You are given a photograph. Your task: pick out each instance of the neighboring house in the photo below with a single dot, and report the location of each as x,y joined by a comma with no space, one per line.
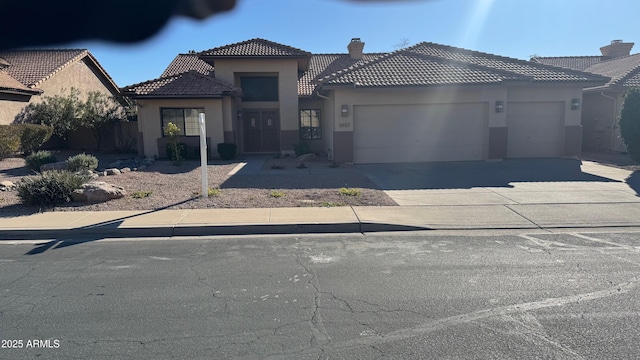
602,104
26,76
428,102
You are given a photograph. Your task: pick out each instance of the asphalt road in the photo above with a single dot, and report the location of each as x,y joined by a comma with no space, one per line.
395,296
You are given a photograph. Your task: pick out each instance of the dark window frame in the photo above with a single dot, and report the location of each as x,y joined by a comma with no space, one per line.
183,124
310,132
260,88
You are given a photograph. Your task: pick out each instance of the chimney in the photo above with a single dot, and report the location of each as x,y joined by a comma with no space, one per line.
617,48
355,48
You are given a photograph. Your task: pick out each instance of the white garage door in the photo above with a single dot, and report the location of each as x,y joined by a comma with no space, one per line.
417,133
535,129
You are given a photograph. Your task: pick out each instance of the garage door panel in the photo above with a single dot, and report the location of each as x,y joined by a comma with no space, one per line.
535,129
415,133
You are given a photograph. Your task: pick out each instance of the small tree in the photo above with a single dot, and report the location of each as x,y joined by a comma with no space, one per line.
630,123
61,112
172,132
99,112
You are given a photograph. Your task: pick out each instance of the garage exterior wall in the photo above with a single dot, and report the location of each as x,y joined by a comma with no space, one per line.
150,122
343,141
497,134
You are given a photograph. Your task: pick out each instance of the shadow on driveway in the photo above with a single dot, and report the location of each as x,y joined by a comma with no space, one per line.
466,175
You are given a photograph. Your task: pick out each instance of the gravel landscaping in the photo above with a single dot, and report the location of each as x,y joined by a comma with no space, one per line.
162,185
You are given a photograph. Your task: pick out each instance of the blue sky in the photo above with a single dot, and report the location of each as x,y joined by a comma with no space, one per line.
514,28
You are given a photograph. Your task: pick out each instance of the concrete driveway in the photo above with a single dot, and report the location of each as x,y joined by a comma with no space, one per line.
527,181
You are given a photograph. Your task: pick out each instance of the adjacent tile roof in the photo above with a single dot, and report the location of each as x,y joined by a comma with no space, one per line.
323,65
187,62
32,67
255,48
570,62
623,71
189,84
434,64
405,68
10,85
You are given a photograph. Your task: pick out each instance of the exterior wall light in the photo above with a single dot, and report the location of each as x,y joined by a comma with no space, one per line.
345,110
239,114
499,106
575,104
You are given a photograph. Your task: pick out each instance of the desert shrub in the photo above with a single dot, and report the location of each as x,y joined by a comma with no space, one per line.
50,188
9,140
350,192
213,192
39,158
82,162
302,148
141,194
227,151
630,123
182,151
276,194
32,136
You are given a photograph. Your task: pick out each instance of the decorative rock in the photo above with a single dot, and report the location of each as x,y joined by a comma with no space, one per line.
113,171
125,170
60,165
98,191
6,185
307,157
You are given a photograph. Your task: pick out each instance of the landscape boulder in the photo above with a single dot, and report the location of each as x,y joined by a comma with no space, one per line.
7,185
98,191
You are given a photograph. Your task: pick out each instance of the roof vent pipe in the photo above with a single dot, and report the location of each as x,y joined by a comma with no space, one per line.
355,48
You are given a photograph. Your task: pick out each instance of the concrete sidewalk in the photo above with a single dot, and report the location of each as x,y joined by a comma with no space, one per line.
203,222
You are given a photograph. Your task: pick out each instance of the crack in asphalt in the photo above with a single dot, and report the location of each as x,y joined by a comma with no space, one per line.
475,316
320,335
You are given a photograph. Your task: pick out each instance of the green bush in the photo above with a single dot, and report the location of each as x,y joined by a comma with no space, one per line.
630,123
82,162
50,188
227,151
9,140
171,153
350,192
302,148
32,136
39,158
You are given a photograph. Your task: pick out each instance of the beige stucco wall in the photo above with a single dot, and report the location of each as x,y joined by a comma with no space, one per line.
150,124
80,75
230,70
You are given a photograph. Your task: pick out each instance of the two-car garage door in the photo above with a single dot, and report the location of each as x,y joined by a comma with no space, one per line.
417,133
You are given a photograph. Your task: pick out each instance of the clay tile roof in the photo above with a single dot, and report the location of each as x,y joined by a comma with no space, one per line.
405,68
187,62
255,48
10,85
570,62
538,72
622,71
323,65
31,67
189,84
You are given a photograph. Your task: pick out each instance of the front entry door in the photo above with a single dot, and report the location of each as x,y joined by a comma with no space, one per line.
261,128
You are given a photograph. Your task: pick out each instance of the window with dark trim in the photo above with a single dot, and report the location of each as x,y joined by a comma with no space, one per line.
186,119
310,124
259,88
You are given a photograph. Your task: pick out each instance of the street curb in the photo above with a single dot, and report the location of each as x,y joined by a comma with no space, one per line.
103,232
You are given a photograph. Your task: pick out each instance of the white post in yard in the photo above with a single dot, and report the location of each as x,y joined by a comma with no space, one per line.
203,156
